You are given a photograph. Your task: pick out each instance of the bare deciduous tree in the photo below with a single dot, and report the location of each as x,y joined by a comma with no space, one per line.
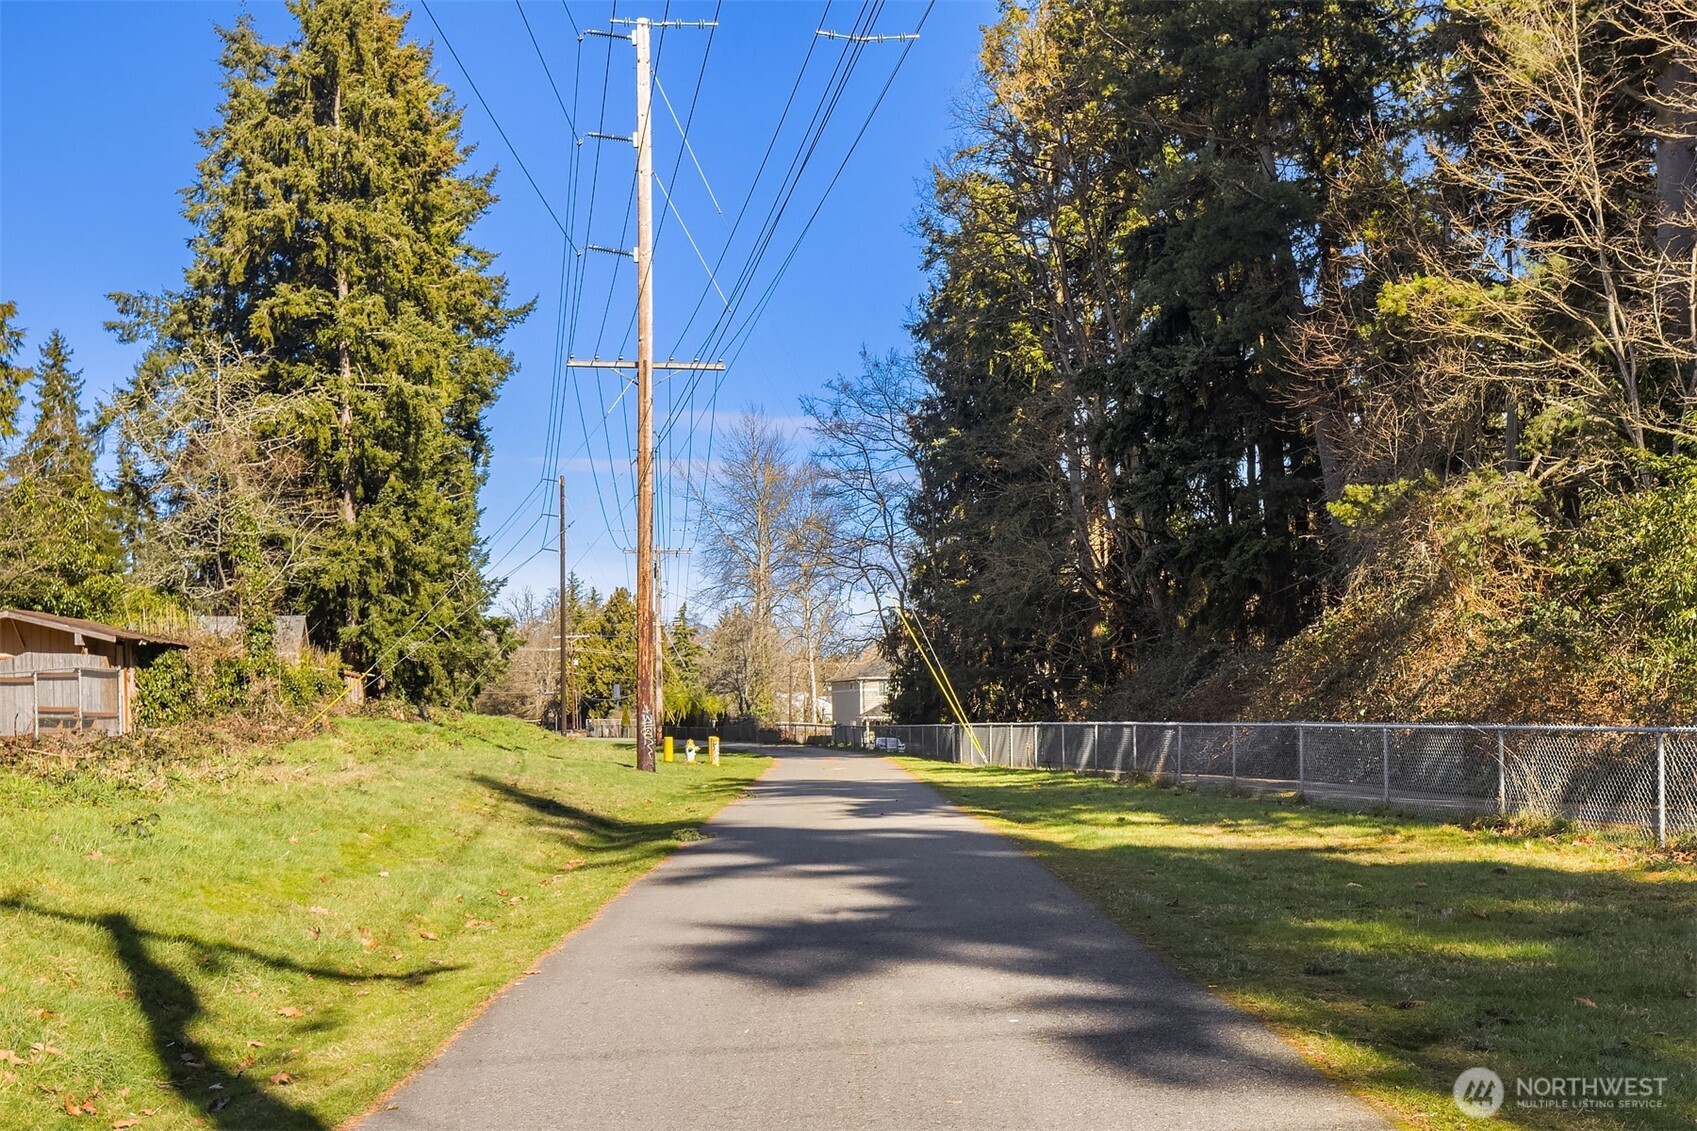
233,517
864,454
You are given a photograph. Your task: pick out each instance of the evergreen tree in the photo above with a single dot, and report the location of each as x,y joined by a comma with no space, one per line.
609,656
687,699
1112,466
11,376
331,240
59,552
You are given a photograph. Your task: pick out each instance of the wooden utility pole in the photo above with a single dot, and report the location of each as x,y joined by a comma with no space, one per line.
647,577
647,593
560,612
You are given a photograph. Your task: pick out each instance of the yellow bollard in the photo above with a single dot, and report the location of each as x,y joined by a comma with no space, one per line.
713,749
669,756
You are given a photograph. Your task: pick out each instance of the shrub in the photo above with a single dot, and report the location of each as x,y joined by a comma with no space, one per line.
165,691
214,678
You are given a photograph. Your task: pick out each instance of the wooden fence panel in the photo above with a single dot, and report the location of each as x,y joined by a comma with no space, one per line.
17,704
97,699
56,706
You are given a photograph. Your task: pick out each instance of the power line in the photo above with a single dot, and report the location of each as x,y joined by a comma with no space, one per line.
544,61
765,299
724,330
540,195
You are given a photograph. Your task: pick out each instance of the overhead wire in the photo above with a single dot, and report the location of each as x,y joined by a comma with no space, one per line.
813,134
511,148
742,211
543,59
762,303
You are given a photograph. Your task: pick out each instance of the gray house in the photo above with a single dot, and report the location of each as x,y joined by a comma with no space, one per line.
65,675
858,697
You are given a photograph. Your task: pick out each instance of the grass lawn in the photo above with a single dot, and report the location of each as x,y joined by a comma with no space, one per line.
1393,952
272,939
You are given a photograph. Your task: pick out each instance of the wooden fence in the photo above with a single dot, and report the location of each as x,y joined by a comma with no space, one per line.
60,702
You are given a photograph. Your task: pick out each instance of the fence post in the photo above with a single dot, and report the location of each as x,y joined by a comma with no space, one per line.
1502,775
1385,742
1301,757
1133,747
1178,763
1063,729
1662,789
1234,753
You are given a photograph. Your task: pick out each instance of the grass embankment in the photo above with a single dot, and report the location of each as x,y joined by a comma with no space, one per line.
271,940
1393,952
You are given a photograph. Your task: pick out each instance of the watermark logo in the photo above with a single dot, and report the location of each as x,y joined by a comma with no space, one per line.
1479,1093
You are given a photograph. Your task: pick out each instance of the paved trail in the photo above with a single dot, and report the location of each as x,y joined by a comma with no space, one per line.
851,951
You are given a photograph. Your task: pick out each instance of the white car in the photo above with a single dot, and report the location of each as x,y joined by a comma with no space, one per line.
890,746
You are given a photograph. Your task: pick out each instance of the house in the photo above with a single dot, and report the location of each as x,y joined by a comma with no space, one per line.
858,697
62,674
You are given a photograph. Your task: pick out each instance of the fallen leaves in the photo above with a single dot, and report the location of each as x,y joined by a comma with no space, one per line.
10,1056
288,1011
74,1106
319,910
431,935
1586,1002
282,1078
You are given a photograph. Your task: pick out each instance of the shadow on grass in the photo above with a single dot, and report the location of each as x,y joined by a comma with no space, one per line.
597,830
1437,948
170,1005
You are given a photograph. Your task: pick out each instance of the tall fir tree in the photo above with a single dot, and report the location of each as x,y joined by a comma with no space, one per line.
11,376
1113,475
331,221
59,551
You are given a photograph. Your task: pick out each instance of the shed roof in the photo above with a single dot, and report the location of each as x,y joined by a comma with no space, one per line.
90,628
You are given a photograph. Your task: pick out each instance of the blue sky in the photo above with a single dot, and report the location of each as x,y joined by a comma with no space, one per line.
99,104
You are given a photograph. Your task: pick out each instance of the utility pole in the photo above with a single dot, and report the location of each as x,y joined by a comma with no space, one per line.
648,716
561,608
647,590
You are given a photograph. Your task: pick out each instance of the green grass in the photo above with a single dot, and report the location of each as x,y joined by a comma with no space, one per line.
1393,952
176,935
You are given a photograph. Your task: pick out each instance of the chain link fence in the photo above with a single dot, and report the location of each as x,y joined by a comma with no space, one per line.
1643,778
758,731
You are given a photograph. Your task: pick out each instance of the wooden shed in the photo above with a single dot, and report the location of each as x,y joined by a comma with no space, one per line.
65,675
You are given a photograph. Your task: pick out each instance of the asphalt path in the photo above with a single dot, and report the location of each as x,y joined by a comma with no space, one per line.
849,950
